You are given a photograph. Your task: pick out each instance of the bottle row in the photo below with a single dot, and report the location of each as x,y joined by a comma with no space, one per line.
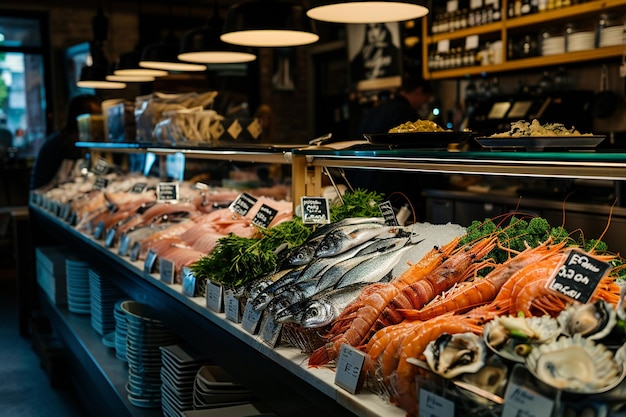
461,14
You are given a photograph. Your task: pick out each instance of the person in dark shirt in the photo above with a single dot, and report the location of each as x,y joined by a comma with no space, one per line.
404,107
59,146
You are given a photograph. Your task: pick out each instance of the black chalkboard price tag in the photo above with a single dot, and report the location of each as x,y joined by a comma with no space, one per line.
138,188
315,210
101,167
579,275
100,184
388,214
264,216
243,204
167,192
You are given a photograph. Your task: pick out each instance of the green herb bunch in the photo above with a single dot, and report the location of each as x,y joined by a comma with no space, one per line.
357,203
236,260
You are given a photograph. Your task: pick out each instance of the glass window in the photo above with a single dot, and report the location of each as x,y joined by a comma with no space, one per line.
23,120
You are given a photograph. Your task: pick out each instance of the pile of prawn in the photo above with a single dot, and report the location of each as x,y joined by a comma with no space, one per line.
443,294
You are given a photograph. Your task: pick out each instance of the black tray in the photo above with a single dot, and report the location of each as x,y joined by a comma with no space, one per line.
419,140
539,143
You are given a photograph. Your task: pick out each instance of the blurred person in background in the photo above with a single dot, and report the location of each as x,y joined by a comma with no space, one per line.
6,138
408,105
59,146
405,106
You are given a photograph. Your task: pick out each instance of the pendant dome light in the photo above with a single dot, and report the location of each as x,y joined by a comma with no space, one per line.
203,45
268,23
130,78
163,55
93,75
128,65
366,11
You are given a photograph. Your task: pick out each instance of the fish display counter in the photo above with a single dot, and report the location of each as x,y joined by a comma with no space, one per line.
441,316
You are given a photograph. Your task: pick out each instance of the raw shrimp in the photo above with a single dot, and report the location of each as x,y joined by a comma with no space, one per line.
413,347
355,323
380,310
483,290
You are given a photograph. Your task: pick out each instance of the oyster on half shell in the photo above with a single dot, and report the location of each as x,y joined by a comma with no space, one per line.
575,364
453,354
508,335
593,320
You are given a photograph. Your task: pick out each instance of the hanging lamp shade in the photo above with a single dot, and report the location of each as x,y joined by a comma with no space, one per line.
130,78
92,76
268,23
163,55
203,45
364,11
128,65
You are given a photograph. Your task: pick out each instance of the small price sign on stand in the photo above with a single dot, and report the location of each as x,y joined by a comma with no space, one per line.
167,192
434,405
388,214
231,306
315,210
521,401
349,369
578,276
214,297
243,204
251,318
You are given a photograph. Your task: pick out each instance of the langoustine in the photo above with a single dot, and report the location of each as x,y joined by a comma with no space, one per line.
419,284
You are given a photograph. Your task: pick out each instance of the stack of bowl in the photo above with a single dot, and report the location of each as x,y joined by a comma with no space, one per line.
121,329
145,335
104,294
77,282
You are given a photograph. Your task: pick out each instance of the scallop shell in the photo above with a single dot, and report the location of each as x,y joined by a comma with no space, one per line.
575,364
593,320
452,355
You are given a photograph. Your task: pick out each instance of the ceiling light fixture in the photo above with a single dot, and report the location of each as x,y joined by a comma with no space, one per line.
93,75
268,23
364,11
130,78
163,55
128,65
203,45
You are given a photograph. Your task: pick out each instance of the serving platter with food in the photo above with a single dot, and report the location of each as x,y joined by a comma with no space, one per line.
421,134
534,136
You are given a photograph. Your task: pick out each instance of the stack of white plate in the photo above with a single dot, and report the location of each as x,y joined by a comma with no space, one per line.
145,335
214,388
180,364
613,35
581,41
104,294
553,45
121,329
77,282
